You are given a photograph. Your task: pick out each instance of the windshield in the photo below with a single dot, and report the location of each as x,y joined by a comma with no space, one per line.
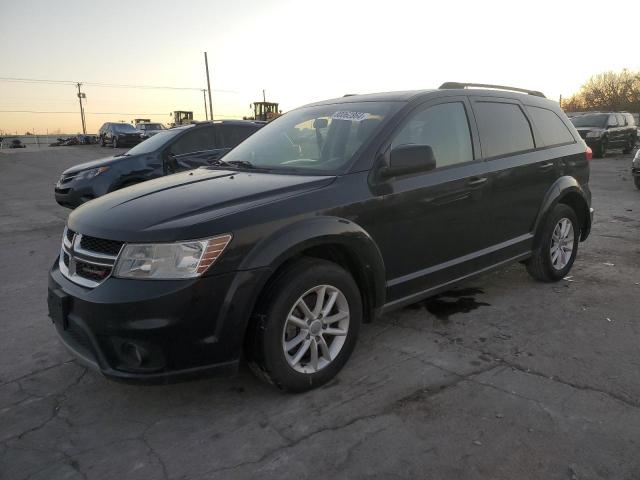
321,139
151,126
155,142
124,128
594,120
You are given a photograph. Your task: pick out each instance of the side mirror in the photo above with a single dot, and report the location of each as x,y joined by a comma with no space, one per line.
407,159
320,123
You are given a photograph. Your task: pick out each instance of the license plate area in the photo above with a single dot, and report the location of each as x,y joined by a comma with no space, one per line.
59,304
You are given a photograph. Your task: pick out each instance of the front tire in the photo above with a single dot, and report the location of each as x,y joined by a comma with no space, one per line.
557,247
306,326
115,142
630,143
636,180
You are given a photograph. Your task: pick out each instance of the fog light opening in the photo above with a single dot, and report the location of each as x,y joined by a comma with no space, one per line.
133,354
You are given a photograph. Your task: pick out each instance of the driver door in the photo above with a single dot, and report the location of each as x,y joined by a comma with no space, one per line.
430,225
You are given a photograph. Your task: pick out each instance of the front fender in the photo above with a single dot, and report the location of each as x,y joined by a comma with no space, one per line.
566,190
292,239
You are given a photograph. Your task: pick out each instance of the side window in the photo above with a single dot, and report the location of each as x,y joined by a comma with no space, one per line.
232,135
620,118
613,121
630,120
503,128
444,128
194,140
550,126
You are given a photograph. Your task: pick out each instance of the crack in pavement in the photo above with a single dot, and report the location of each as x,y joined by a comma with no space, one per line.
555,378
386,410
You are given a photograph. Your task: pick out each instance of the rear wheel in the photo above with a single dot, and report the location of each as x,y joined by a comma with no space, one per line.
636,180
601,150
629,146
306,327
557,246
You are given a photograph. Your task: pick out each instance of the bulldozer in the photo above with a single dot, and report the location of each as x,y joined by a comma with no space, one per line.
182,117
265,111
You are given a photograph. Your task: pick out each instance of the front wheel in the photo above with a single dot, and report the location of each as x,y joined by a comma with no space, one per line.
636,180
115,142
557,246
629,147
306,327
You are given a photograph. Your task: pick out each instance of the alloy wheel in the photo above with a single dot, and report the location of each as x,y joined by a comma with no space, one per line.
316,329
562,244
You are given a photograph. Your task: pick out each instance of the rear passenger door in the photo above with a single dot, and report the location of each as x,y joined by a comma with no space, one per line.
520,175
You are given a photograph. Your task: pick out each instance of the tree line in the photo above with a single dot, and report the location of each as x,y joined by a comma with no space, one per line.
607,91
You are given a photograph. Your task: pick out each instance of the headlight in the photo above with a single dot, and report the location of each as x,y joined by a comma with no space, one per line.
594,134
170,260
94,172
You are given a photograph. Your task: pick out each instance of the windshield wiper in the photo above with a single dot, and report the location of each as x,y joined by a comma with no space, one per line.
241,163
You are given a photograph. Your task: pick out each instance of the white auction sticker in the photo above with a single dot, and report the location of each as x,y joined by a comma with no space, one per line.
352,116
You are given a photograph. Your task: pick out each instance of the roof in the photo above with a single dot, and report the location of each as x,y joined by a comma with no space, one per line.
448,89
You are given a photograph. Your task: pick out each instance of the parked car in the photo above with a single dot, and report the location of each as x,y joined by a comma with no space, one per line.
170,151
149,129
602,131
119,135
635,169
16,143
330,215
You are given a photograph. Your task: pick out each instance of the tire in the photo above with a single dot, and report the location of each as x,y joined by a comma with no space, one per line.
545,265
601,150
636,180
271,328
115,142
102,144
630,143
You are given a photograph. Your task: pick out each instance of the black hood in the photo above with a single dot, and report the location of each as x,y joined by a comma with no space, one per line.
101,162
183,206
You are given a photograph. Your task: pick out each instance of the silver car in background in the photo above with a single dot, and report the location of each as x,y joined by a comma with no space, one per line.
149,129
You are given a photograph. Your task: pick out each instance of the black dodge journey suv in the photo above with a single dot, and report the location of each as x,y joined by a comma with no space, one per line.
329,216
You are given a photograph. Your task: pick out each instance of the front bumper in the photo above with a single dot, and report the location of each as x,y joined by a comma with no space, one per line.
154,331
72,198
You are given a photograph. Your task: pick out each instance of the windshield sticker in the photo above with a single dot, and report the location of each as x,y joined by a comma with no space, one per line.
351,116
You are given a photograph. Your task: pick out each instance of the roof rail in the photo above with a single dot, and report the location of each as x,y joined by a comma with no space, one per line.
451,85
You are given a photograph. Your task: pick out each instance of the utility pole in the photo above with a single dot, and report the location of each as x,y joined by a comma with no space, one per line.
204,96
264,97
80,97
206,65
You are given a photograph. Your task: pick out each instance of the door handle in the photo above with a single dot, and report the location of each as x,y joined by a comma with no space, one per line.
475,181
546,166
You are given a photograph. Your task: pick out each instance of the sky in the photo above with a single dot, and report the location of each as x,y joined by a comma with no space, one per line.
298,51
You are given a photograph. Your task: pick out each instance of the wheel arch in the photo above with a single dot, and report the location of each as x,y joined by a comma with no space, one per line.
330,238
566,190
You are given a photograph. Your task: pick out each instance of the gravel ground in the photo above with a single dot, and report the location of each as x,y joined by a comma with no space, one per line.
502,378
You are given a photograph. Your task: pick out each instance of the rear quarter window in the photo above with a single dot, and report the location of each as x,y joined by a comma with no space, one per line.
551,128
503,127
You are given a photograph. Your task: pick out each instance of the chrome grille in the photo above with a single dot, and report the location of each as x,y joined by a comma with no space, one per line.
87,261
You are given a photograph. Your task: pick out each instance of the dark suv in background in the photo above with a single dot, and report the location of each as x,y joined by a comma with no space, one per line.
168,151
331,215
119,135
602,131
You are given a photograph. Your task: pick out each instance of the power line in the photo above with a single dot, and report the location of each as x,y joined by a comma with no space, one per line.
94,113
106,85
